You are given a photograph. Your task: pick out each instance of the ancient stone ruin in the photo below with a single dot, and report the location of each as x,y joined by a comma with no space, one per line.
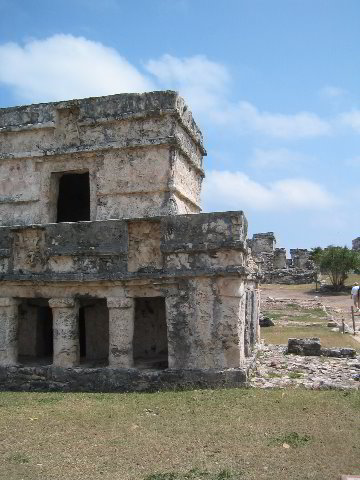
356,243
111,279
273,264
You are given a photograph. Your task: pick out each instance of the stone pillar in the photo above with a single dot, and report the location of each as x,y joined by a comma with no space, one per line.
9,325
121,332
231,319
179,316
66,331
280,258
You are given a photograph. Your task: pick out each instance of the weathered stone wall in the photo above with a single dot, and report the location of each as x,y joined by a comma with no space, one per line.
300,258
280,258
144,154
160,244
196,263
356,243
274,265
263,243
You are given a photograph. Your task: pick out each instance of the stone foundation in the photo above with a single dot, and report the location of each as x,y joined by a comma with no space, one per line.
50,378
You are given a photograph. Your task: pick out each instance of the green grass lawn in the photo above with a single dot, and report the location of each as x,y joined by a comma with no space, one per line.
297,314
223,434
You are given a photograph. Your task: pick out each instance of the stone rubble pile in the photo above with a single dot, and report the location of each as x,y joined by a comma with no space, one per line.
276,369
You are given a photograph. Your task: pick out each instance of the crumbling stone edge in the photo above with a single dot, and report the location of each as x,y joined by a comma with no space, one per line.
59,379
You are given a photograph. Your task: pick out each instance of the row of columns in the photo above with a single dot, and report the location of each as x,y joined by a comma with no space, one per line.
66,331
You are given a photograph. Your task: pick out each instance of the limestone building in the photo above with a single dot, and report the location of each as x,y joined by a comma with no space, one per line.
110,278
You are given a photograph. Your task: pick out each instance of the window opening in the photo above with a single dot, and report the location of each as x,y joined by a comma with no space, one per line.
73,203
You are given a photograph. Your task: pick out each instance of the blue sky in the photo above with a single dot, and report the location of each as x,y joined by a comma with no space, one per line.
273,84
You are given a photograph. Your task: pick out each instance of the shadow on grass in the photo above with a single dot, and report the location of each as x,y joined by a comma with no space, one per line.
195,474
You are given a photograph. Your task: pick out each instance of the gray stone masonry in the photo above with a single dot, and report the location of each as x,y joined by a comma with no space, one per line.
274,265
356,243
110,278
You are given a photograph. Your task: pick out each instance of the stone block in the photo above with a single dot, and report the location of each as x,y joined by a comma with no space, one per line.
266,321
304,346
338,352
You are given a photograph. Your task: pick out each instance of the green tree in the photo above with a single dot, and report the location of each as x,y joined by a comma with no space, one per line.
315,254
336,262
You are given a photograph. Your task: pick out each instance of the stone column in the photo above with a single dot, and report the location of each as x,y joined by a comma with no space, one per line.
231,318
179,314
66,331
121,332
9,325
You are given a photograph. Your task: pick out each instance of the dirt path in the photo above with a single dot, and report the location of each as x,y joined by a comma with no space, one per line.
306,292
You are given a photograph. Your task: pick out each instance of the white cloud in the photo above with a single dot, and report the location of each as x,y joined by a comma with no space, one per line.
205,86
202,82
276,158
246,118
329,91
63,67
351,119
235,190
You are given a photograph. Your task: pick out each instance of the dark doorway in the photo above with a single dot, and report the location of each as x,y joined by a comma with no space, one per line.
73,203
94,332
35,332
150,333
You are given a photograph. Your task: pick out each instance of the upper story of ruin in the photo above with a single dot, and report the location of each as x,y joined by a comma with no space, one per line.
114,157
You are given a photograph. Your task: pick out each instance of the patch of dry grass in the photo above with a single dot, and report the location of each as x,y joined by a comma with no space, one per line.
279,335
167,435
297,314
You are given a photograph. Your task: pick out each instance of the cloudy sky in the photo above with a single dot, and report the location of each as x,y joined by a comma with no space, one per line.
273,84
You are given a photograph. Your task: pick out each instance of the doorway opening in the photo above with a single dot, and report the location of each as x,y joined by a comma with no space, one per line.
35,332
94,332
150,344
73,204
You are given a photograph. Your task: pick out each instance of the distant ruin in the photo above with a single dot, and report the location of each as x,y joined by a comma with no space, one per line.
111,279
273,264
356,243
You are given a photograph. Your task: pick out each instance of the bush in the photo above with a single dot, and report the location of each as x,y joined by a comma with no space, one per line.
336,262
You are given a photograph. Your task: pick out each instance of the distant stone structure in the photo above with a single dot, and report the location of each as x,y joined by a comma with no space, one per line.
274,265
356,243
110,278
